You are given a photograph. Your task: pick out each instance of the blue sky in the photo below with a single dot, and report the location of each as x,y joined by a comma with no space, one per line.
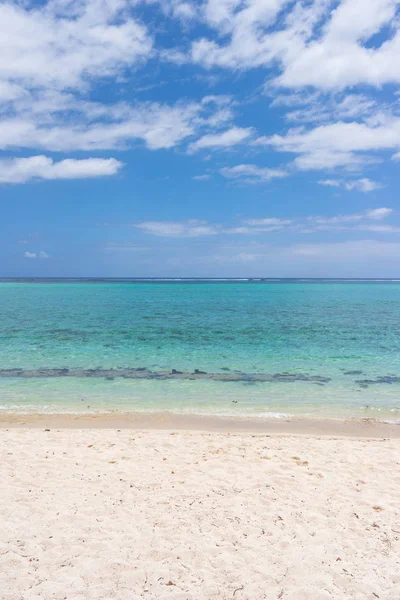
200,138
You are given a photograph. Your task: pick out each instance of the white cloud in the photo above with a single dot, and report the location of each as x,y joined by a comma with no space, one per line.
361,185
10,91
364,221
62,44
178,9
200,228
21,170
312,53
45,121
354,105
378,213
52,56
319,107
316,43
337,144
35,255
337,251
330,182
268,222
204,177
340,56
245,25
381,228
225,139
374,214
255,226
315,53
331,159
191,228
252,173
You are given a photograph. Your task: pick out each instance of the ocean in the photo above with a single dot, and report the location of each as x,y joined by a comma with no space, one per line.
254,348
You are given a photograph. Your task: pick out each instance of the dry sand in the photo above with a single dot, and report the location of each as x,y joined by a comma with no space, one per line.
94,514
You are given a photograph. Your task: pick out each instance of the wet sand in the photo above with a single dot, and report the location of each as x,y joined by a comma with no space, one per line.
167,421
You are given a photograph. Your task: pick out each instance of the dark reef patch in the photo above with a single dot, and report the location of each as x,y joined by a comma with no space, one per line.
144,373
386,379
352,373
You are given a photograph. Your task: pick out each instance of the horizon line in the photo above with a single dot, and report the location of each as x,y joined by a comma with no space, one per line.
244,279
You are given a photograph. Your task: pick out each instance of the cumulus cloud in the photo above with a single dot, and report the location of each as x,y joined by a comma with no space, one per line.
341,55
62,44
315,43
361,185
35,255
94,126
319,107
190,228
54,54
225,139
252,173
177,9
204,177
315,56
330,182
337,144
378,213
21,170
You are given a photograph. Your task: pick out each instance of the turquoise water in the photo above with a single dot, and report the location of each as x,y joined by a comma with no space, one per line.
326,349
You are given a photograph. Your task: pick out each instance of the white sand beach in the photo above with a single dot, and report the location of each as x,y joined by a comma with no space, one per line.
90,514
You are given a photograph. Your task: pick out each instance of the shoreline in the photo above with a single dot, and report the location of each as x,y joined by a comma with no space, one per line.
359,428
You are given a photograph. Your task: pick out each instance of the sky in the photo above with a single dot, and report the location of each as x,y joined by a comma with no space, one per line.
207,138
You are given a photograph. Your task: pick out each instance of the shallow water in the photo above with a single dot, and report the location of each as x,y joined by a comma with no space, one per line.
319,349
